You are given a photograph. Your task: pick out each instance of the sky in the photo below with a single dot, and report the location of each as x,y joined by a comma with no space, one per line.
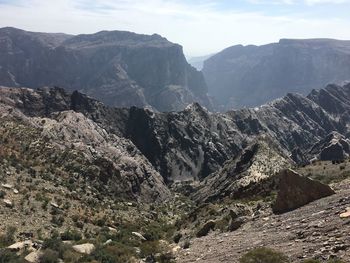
201,27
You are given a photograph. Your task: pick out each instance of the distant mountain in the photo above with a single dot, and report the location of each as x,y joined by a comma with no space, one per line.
198,62
119,68
248,76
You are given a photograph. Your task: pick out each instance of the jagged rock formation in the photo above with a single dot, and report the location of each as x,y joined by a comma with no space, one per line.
253,75
119,68
247,175
295,190
335,147
194,143
76,147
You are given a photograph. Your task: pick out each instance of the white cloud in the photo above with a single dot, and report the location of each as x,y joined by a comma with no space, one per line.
200,28
291,2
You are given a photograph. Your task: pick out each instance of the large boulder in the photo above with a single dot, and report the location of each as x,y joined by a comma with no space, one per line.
86,248
295,190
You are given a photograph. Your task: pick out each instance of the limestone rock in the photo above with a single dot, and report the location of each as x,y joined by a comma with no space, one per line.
140,236
33,257
8,203
86,248
21,245
7,186
295,190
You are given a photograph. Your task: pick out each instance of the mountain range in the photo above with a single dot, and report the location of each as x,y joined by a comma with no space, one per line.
248,76
114,144
194,143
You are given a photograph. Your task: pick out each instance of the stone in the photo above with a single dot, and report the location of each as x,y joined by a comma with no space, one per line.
345,214
108,242
7,186
86,248
140,236
112,229
204,230
53,204
21,245
15,191
33,257
295,190
8,203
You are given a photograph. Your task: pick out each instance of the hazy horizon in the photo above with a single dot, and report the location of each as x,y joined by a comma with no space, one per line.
201,27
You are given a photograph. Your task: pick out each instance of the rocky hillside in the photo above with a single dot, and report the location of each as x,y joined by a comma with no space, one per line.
194,143
119,68
66,142
250,76
138,184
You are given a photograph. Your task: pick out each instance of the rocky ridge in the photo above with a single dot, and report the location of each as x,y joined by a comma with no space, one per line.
194,143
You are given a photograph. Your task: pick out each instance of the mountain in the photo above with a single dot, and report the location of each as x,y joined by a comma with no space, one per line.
119,68
68,143
198,62
194,143
74,168
248,76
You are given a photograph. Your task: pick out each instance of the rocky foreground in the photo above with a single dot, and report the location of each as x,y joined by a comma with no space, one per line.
316,230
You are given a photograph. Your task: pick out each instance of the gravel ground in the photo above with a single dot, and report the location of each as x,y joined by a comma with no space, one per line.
313,231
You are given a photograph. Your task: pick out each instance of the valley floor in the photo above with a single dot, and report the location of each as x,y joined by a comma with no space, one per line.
313,231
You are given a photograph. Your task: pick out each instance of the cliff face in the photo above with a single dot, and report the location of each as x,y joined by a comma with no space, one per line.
118,68
194,143
253,75
40,130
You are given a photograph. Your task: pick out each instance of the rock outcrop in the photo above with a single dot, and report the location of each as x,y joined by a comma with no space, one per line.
250,75
119,68
334,147
251,173
295,190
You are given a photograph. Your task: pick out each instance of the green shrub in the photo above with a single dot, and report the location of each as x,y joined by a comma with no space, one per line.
57,245
9,237
149,248
71,235
335,261
114,253
263,255
6,256
49,256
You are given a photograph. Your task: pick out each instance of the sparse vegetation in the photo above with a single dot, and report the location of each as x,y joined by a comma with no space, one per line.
7,238
264,255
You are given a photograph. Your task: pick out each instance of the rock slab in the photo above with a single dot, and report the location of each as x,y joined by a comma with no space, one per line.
295,190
